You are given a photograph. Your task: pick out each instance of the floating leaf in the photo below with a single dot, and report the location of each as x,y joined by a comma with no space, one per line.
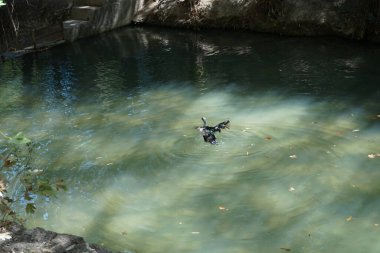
268,138
292,189
27,196
293,156
60,185
349,218
372,156
45,188
286,249
30,208
19,138
8,163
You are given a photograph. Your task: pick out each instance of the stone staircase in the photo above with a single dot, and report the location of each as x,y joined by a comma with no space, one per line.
46,36
87,18
83,14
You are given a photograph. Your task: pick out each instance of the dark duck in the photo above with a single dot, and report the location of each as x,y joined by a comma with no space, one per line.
208,131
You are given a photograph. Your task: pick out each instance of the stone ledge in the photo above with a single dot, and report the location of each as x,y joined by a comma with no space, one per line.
22,240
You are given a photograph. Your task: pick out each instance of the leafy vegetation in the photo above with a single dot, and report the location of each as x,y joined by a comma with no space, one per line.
16,154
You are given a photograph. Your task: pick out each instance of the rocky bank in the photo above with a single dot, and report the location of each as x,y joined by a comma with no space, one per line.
353,19
17,239
359,20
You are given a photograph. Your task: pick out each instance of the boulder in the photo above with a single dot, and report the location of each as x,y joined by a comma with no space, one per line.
18,239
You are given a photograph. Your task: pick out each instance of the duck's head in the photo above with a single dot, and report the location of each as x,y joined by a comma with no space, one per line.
204,121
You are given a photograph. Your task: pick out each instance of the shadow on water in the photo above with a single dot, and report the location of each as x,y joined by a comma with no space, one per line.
118,126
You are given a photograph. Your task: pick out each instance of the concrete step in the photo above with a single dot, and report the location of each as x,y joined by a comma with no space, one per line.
48,34
85,13
69,24
72,28
45,44
89,2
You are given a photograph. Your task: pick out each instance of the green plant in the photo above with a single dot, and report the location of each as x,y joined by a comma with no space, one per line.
16,154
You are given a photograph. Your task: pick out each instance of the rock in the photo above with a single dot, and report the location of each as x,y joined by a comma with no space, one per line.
40,240
345,18
351,19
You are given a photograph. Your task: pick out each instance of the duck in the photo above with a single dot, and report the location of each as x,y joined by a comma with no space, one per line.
208,131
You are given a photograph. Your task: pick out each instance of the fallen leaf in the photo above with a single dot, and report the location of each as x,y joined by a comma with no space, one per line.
8,163
293,156
27,196
30,208
286,249
268,138
349,218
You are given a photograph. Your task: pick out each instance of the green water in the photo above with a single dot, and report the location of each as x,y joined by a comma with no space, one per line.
115,117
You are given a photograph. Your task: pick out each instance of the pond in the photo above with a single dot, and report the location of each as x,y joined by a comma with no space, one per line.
114,116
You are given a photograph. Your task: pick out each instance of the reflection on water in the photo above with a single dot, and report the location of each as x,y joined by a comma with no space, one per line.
118,126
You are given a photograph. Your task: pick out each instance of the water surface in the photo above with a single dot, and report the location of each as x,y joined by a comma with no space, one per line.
115,117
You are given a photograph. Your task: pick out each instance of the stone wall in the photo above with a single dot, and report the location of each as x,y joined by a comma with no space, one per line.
113,14
347,18
20,17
